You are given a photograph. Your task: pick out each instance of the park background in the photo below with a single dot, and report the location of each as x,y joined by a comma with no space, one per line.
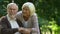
48,12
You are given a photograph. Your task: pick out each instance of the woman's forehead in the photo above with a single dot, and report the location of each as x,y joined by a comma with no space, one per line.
26,8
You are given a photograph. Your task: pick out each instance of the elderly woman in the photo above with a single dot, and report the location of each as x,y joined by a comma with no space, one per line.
29,18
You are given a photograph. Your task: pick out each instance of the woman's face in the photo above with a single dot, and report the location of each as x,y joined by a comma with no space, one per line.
26,12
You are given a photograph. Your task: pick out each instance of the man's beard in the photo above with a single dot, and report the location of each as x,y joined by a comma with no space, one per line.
12,16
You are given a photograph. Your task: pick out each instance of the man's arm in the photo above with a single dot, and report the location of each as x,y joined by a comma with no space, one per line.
4,27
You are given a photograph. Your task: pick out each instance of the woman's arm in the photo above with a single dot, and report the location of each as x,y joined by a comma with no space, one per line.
35,24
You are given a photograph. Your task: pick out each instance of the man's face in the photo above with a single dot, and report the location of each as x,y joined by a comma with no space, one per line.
12,10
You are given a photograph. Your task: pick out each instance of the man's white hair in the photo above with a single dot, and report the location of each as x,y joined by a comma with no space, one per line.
11,4
30,6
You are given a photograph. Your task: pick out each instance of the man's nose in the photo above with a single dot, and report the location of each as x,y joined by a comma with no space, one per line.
12,10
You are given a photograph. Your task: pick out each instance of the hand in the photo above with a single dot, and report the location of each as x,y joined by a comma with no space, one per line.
24,30
21,30
27,31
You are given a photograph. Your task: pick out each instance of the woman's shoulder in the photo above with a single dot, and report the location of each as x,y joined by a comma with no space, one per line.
19,12
19,15
34,14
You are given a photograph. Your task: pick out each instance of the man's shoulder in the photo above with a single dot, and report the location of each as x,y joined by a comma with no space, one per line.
3,18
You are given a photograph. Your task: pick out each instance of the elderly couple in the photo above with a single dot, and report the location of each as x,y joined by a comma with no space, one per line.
22,22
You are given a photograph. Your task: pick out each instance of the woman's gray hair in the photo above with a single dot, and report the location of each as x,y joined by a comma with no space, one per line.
30,6
12,4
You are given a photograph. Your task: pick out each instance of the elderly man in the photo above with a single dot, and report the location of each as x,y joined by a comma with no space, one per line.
10,25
